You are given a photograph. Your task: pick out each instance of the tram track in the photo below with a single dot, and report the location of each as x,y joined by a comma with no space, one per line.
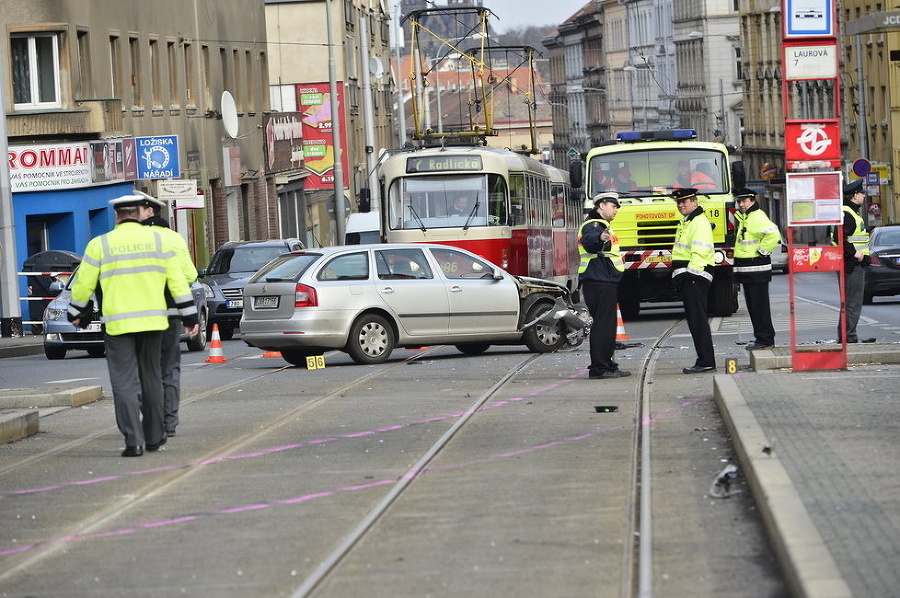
636,571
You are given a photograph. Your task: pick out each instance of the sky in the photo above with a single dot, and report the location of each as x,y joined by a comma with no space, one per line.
517,13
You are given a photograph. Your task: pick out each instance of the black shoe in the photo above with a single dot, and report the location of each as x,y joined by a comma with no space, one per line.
616,373
170,433
755,345
133,451
155,447
698,369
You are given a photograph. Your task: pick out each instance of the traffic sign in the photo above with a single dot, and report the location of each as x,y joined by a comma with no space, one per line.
573,153
862,167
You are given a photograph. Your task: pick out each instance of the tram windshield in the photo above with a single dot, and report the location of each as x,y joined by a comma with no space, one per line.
447,201
659,171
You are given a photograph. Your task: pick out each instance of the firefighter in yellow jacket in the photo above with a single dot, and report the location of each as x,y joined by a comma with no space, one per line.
129,269
692,266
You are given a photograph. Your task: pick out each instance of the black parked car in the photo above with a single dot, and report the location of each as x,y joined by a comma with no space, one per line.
883,275
229,269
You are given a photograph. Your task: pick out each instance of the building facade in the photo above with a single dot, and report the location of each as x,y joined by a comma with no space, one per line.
104,97
300,92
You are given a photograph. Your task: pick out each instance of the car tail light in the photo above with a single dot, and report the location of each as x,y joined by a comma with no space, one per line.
305,296
874,260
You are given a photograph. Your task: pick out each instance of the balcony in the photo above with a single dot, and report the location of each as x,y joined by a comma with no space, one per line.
96,118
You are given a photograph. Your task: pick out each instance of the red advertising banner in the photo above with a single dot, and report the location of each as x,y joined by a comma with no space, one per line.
314,102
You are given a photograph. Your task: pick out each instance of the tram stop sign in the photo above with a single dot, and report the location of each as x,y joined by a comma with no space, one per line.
573,153
862,167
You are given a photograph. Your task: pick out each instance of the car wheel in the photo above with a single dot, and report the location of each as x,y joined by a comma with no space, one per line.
542,338
198,343
54,352
226,333
97,351
371,340
298,356
473,348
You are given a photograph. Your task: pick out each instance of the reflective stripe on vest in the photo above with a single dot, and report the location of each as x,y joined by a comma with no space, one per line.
613,255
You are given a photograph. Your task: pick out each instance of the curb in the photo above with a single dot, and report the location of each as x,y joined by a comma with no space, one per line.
17,424
808,566
779,357
29,398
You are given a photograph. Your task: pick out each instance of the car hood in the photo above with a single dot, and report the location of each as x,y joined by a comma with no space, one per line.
528,285
230,279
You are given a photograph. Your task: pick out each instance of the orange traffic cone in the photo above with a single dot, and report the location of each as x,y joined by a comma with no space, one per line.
620,326
272,354
215,347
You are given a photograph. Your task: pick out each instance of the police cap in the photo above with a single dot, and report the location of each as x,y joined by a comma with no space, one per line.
609,196
855,187
744,193
679,195
134,201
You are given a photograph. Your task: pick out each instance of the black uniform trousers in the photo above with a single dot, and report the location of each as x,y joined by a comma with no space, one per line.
171,372
695,294
601,299
133,361
756,296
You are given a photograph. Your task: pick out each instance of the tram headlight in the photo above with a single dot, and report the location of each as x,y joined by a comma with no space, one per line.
719,257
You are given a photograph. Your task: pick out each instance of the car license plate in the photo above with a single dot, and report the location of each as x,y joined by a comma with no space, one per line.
92,327
265,302
235,304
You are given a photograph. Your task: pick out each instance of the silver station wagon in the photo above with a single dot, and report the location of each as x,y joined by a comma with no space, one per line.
368,300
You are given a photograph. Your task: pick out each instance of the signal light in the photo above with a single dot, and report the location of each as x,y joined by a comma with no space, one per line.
671,135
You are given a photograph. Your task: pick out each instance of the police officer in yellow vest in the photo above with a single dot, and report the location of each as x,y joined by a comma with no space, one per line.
171,342
692,273
757,238
599,272
856,257
129,268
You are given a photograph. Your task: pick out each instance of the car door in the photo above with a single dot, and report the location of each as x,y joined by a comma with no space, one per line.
410,289
478,302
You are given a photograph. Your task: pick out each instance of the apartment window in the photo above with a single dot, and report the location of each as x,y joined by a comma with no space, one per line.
155,78
134,47
189,80
172,60
35,68
251,88
84,66
207,76
115,61
739,70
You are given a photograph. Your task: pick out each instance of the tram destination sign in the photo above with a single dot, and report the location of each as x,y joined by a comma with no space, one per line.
416,164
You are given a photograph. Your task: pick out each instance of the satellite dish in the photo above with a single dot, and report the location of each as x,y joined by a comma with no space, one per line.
376,68
229,115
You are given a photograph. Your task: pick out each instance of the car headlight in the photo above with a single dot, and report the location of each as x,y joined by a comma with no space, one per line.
54,314
207,290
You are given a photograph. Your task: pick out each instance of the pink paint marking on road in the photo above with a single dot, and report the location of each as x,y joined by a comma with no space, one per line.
304,498
243,508
170,521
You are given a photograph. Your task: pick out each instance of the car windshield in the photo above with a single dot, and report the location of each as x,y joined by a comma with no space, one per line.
287,267
243,258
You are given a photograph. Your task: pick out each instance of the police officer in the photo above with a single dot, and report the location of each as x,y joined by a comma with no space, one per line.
757,237
599,272
856,257
171,342
692,273
133,264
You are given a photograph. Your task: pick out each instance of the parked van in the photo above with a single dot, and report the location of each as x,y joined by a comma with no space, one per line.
362,228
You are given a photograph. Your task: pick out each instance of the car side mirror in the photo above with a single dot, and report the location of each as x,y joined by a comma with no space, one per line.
201,273
497,274
56,287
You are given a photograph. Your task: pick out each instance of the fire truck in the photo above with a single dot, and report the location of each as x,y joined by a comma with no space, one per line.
644,167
